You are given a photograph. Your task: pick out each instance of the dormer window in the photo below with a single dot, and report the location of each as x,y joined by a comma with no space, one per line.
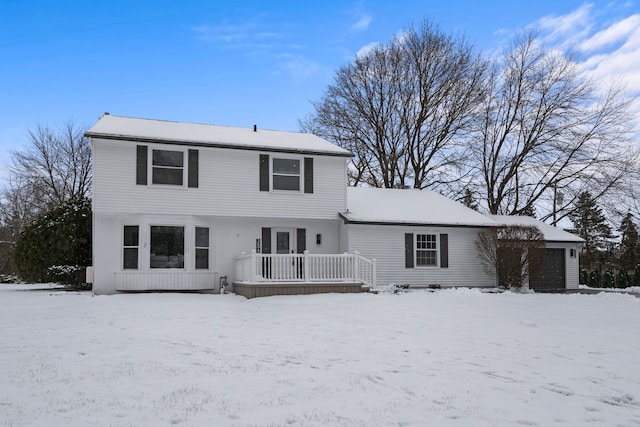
168,167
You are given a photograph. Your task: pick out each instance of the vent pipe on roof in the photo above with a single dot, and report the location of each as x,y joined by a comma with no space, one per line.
106,113
255,128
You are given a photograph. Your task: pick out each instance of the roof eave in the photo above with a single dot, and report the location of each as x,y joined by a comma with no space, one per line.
191,143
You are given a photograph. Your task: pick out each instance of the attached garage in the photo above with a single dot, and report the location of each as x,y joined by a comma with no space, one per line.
552,274
560,266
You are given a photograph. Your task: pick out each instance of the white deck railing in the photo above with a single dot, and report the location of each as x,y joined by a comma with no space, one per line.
305,267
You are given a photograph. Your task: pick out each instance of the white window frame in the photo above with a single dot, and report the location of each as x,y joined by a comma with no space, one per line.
125,247
184,247
436,249
185,160
300,174
196,247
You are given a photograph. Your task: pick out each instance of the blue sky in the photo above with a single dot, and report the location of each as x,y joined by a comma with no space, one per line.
243,62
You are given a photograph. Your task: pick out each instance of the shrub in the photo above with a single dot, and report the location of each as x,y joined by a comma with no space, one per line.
636,276
622,279
608,279
61,238
594,279
512,252
584,277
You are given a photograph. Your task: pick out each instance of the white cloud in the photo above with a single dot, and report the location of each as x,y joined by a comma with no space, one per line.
567,29
366,49
362,23
608,43
238,35
619,31
298,67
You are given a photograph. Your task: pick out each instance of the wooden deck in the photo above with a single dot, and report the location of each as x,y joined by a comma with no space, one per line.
267,289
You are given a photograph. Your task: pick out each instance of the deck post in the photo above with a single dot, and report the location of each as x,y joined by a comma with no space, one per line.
254,271
356,266
305,265
373,273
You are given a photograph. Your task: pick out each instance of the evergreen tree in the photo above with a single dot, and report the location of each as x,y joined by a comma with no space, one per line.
56,245
468,200
629,244
590,224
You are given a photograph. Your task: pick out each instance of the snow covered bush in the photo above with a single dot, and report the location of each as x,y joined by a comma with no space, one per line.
512,252
59,239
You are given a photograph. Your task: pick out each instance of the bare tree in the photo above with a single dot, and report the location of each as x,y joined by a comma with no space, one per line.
512,252
54,166
400,107
545,132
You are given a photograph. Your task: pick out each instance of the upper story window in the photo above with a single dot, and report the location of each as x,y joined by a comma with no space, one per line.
286,174
168,167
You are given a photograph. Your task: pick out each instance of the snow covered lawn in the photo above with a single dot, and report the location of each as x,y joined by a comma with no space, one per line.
448,358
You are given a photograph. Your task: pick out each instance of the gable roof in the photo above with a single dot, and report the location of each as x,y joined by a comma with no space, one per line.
409,207
181,133
550,232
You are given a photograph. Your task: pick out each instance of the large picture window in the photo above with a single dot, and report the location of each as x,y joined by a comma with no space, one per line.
202,248
426,250
131,246
167,247
168,167
286,174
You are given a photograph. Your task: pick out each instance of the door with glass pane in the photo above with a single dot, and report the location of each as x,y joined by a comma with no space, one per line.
285,267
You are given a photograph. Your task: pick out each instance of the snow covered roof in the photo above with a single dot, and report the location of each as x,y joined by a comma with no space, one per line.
550,232
395,206
147,130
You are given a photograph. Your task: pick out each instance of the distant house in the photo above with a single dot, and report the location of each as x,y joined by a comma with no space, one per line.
193,207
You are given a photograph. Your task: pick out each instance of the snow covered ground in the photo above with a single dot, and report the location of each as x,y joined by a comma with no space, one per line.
446,358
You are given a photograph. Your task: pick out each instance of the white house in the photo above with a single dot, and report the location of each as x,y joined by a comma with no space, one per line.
182,206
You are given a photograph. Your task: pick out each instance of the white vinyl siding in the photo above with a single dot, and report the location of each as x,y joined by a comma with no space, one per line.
386,243
223,191
229,237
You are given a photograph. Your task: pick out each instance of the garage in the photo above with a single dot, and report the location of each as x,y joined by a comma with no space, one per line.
552,274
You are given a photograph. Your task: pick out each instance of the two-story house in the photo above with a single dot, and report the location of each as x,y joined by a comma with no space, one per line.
183,206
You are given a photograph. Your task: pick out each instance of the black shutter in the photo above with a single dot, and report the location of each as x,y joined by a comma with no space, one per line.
266,240
408,250
444,251
308,174
193,169
301,240
264,172
141,165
